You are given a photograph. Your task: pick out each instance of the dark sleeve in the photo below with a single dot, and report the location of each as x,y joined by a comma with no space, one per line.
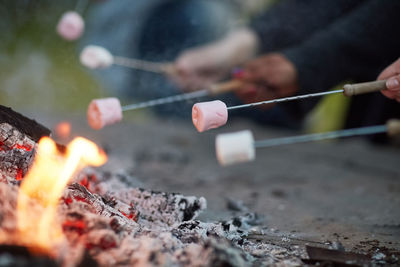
291,21
356,47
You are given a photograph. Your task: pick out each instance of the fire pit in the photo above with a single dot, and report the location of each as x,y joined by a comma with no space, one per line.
102,219
99,217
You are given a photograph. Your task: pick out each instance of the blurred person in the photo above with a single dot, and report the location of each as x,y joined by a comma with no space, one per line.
315,48
156,30
286,24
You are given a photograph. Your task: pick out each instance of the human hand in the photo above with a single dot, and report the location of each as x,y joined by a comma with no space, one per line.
268,77
200,67
392,74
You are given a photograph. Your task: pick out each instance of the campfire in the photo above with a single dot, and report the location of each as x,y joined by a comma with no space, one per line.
56,210
44,184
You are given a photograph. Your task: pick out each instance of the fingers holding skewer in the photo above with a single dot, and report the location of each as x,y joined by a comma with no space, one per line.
392,74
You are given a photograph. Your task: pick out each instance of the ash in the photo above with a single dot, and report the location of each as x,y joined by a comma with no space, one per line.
107,216
158,228
120,225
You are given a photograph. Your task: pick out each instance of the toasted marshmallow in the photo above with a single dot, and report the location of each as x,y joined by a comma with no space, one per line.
234,148
102,112
209,115
71,26
95,57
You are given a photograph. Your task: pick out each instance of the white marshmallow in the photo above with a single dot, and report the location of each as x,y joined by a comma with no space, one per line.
236,147
70,26
102,112
95,57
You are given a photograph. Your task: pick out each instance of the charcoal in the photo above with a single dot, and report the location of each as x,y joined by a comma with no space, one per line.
18,138
16,153
24,125
156,207
94,203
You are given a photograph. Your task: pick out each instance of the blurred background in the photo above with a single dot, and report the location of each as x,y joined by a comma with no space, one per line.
41,70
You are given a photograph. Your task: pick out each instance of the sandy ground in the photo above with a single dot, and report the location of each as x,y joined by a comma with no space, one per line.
347,190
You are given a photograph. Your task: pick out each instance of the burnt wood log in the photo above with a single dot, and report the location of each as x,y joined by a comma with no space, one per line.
156,207
18,138
23,124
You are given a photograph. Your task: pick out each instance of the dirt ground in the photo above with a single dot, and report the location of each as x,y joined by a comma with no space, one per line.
346,190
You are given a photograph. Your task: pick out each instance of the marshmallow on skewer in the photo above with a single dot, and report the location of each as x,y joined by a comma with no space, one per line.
234,148
102,112
209,115
70,26
95,57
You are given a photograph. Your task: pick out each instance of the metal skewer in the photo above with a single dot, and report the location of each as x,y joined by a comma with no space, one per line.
156,67
348,90
285,99
218,88
166,100
321,136
240,146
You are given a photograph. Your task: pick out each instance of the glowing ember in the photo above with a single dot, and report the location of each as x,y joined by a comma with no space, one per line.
45,183
19,175
63,130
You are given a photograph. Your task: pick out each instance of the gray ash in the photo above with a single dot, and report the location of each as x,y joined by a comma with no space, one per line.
108,220
129,226
109,217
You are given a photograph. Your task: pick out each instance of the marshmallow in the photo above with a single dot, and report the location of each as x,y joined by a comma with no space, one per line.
70,26
209,115
102,112
95,57
235,147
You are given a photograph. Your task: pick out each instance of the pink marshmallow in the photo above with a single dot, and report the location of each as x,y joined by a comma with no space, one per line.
209,115
70,26
95,57
102,112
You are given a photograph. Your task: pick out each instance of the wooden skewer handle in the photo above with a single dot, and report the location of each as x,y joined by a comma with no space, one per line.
225,87
393,127
363,88
168,68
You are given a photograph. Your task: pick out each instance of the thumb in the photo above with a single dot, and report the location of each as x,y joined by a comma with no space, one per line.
393,83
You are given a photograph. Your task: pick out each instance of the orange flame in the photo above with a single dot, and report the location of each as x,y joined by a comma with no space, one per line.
44,184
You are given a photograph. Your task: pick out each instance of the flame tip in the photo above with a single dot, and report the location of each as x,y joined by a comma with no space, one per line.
45,183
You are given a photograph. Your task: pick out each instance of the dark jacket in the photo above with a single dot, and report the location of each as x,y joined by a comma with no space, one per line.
345,41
